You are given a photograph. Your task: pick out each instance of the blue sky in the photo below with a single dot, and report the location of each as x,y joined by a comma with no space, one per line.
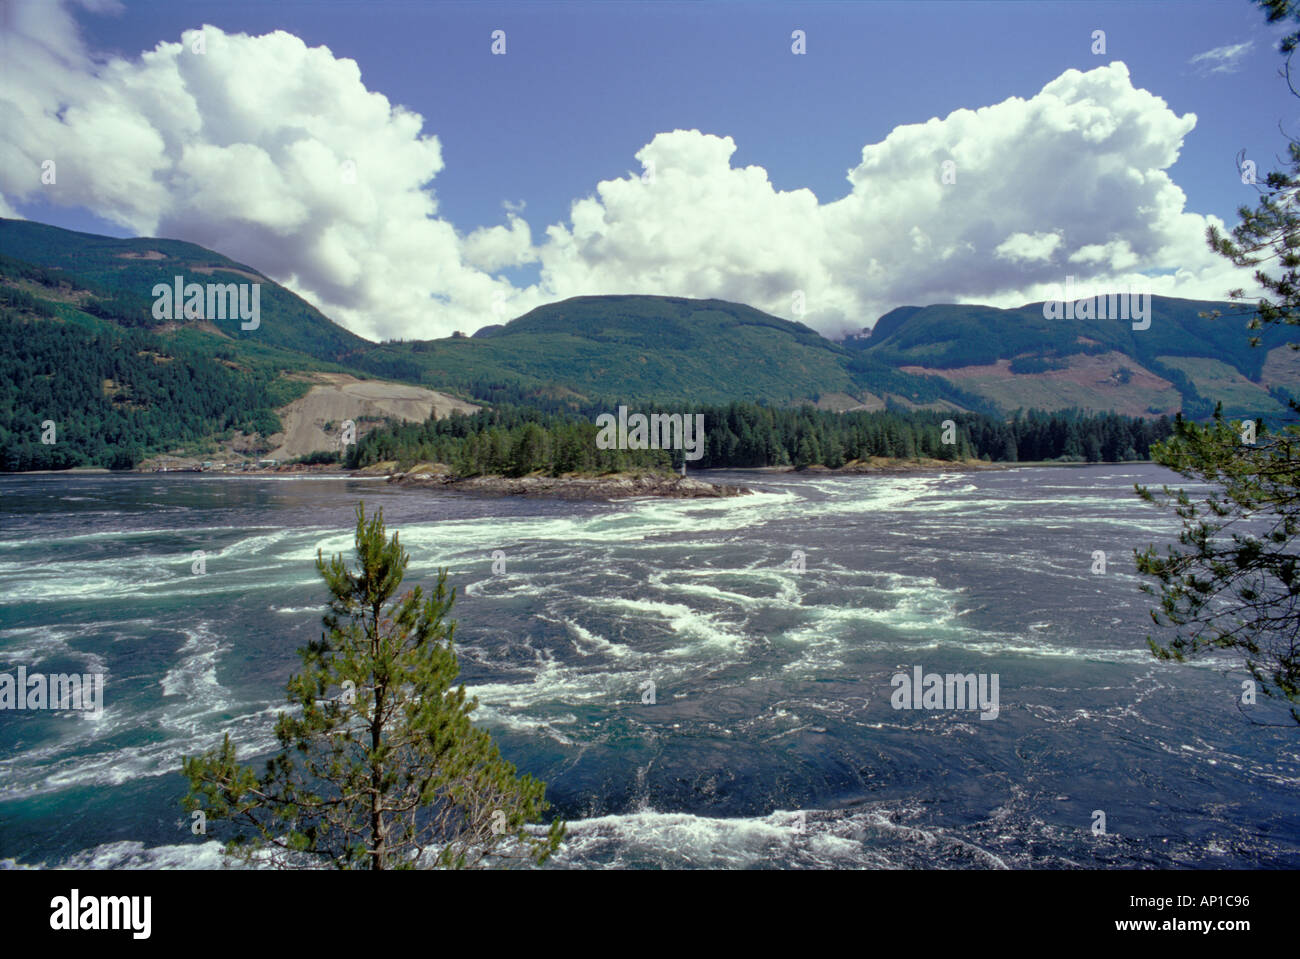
584,86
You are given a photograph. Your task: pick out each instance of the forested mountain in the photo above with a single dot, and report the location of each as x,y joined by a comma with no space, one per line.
83,349
121,275
945,357
79,391
1017,358
658,349
88,377
587,349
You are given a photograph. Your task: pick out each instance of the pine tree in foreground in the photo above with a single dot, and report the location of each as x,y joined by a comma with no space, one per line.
380,766
1233,581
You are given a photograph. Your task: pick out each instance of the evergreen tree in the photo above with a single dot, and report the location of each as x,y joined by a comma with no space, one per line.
807,453
530,451
382,768
1233,581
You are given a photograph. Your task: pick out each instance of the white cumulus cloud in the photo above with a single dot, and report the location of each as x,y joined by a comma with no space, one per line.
1028,247
996,205
277,154
262,148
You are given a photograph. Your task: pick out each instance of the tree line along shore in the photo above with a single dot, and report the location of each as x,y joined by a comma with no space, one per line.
519,441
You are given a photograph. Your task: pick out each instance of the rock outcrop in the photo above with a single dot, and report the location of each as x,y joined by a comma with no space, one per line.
609,486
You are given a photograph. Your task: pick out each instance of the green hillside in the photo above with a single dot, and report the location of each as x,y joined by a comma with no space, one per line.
653,349
640,347
122,275
1092,363
77,389
83,349
596,348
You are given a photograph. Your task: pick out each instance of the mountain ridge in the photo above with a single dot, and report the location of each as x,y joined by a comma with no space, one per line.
590,351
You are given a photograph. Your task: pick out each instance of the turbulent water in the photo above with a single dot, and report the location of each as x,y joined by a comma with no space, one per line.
772,741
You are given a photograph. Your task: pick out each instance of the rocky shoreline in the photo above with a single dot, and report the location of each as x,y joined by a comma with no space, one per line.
609,486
